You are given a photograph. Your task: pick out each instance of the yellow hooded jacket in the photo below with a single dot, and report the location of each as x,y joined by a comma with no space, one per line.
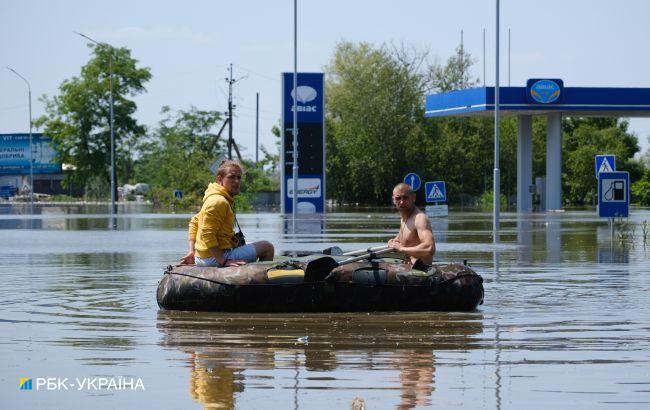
213,225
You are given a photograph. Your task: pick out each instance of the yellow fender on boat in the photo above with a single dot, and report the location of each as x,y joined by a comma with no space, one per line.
285,275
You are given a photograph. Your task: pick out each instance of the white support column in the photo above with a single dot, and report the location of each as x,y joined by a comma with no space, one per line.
524,163
554,162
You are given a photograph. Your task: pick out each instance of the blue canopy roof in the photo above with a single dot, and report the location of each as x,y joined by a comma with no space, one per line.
577,101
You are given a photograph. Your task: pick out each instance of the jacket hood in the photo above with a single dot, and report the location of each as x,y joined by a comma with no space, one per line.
216,189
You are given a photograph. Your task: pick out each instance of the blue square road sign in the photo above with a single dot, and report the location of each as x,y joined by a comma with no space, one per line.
435,191
613,194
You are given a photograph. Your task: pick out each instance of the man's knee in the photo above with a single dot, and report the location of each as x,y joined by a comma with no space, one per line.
265,250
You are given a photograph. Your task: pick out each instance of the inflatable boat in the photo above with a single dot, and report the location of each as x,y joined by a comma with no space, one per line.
322,283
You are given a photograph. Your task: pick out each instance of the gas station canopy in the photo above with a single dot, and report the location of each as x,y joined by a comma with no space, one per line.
576,101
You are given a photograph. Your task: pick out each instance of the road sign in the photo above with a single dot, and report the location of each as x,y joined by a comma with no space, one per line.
605,163
613,194
413,180
435,211
214,167
178,194
435,191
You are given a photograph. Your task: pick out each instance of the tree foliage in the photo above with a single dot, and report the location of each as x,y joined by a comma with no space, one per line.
583,139
376,132
180,151
78,118
374,112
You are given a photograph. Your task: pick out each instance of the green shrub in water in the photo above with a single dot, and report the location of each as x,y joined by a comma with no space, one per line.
485,201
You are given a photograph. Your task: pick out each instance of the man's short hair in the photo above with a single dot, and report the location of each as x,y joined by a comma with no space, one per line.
404,188
226,164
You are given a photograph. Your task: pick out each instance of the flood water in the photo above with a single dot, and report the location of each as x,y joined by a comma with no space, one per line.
565,323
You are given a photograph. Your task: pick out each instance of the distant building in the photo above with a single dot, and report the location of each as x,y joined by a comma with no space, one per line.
15,165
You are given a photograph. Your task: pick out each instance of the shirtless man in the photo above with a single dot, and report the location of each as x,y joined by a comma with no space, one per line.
415,237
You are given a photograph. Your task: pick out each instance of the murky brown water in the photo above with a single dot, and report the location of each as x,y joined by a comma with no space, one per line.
565,322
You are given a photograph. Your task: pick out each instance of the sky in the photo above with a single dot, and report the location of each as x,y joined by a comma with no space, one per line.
188,45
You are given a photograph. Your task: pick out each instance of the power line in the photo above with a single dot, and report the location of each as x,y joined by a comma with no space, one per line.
277,80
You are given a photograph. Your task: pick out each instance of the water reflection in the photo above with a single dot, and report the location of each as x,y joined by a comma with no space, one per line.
611,250
524,239
229,354
553,238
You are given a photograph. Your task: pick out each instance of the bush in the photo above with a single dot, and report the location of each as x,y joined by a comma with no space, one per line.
486,201
97,189
641,191
164,198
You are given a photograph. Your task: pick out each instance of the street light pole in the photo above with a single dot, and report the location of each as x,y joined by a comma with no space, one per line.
31,151
497,180
294,204
113,209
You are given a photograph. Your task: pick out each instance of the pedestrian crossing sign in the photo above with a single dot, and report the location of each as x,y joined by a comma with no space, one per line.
435,191
605,163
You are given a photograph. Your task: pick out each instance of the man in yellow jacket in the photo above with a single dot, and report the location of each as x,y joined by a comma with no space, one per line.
211,236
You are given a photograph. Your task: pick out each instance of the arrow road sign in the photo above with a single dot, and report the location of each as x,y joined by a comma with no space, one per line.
413,180
435,191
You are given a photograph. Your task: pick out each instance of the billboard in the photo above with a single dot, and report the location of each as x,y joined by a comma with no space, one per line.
310,100
14,154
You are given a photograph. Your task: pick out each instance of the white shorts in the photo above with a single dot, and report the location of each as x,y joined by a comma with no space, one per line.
242,253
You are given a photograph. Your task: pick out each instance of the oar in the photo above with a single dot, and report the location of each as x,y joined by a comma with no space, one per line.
333,250
368,250
318,269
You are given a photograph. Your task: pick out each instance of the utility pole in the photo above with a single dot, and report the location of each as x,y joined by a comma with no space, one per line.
257,127
483,57
462,58
508,57
230,82
231,141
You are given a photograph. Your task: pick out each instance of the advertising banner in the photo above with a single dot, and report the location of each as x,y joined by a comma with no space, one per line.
15,156
310,101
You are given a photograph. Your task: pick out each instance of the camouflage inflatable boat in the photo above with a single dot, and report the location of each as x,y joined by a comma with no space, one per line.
321,283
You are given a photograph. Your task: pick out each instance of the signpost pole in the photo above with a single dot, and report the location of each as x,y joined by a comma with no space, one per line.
496,183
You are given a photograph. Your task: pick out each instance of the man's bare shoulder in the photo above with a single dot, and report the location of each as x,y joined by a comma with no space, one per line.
422,221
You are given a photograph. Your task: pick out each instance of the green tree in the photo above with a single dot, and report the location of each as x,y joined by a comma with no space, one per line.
374,111
583,139
179,153
641,189
78,118
454,75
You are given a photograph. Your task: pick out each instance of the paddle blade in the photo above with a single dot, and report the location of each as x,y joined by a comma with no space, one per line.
334,250
318,269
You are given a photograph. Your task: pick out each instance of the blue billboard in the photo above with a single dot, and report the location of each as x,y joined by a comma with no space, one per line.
310,96
15,156
310,102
